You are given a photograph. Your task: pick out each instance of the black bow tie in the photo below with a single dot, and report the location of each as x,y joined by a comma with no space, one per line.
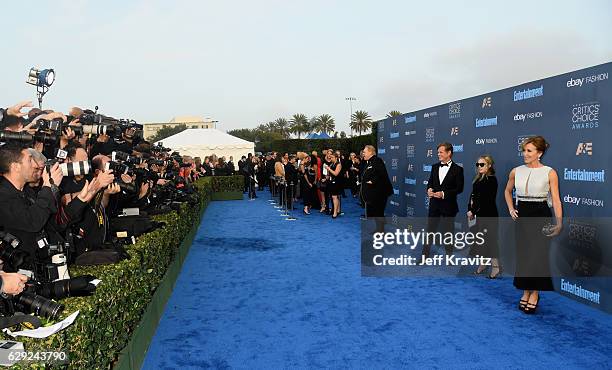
443,164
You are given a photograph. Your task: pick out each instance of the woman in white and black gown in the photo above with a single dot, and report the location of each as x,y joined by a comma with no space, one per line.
536,185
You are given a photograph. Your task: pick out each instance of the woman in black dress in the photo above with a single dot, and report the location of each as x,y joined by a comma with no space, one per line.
483,209
308,189
536,185
334,170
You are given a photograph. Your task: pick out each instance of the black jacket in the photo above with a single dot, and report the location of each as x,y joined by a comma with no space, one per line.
452,186
483,196
375,181
24,214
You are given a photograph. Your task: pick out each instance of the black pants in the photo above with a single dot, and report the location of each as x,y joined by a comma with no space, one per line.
437,222
377,209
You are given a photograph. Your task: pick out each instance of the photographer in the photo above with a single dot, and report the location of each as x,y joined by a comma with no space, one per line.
25,213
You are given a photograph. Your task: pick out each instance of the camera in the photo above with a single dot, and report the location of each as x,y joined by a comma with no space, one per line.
10,253
72,169
30,302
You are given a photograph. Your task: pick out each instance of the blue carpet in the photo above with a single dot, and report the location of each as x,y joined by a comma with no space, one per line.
260,292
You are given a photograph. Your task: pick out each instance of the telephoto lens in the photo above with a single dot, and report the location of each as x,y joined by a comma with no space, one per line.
72,169
38,305
98,129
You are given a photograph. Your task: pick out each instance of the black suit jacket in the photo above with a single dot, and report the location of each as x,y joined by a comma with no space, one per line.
451,186
380,188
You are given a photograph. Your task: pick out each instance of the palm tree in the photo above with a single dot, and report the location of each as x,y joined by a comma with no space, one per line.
282,126
360,121
394,113
325,123
299,124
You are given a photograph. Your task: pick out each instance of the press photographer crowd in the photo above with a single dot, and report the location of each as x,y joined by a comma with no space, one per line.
76,189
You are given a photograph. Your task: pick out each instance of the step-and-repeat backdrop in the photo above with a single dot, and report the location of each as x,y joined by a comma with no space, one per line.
573,112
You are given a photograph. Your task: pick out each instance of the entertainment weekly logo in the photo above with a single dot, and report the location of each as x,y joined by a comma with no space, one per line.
458,148
526,94
579,82
410,119
580,175
394,135
485,122
585,115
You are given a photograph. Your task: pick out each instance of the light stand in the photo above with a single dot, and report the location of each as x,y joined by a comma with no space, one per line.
42,79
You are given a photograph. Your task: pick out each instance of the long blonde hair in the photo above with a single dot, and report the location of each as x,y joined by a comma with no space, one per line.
487,158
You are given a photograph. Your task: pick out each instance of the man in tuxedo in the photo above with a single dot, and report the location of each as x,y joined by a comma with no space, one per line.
445,183
376,186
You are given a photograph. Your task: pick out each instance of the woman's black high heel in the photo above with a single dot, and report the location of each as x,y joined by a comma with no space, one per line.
530,308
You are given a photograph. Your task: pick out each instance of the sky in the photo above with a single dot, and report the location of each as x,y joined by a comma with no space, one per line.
244,63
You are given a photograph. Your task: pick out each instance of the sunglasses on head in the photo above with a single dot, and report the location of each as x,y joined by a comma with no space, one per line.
480,164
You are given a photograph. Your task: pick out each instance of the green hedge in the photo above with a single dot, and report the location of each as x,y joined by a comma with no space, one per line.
353,144
108,318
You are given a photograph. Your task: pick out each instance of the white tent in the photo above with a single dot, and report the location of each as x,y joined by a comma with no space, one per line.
202,142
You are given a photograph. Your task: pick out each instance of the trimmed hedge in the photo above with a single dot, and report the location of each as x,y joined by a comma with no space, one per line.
108,318
353,144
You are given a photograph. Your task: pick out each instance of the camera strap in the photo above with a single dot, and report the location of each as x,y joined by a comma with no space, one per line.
29,321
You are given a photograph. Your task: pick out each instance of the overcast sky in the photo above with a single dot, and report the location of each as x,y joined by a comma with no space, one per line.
249,62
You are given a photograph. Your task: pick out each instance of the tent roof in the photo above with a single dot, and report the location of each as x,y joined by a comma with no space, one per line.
322,135
205,138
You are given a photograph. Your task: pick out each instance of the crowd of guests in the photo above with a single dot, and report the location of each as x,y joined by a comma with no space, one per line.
321,181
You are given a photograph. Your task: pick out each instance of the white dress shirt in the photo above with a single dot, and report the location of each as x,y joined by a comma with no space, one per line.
442,171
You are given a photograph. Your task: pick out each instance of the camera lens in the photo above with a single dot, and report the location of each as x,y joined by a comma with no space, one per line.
40,306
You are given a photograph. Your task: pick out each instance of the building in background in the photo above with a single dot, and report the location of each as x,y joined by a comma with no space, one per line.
151,128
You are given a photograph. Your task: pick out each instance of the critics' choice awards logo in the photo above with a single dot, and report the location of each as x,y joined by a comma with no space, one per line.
583,201
430,114
410,119
394,163
585,115
524,117
485,122
394,179
410,167
430,134
486,140
454,131
487,102
584,149
579,82
519,143
570,174
409,211
454,110
429,153
528,93
410,149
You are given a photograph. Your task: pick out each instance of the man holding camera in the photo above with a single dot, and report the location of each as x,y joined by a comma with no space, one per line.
25,213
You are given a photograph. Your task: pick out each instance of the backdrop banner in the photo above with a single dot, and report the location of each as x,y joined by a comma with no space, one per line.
571,111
